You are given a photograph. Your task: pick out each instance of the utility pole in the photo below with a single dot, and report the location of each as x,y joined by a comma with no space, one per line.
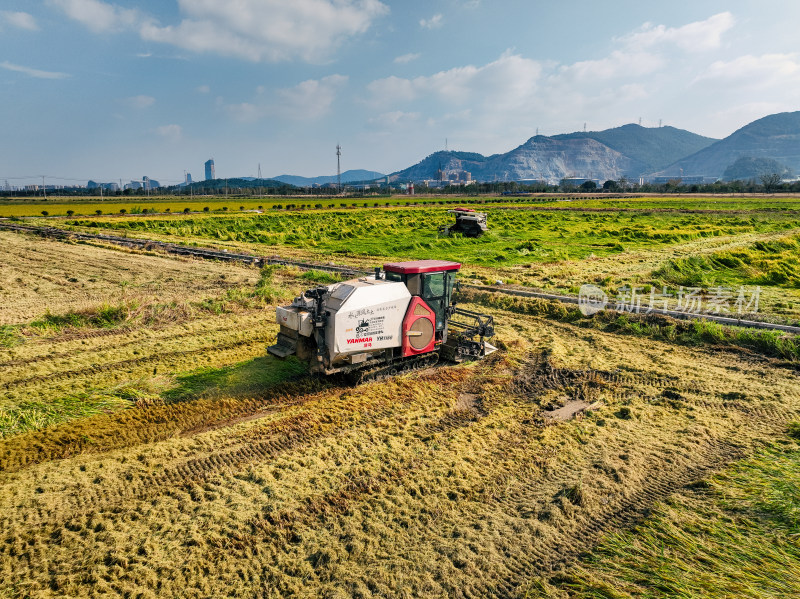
44,188
338,168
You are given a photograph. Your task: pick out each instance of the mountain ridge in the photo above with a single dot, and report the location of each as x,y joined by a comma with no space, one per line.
349,176
626,151
775,137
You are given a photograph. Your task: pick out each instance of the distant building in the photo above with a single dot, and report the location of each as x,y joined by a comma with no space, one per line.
107,186
457,176
578,181
189,177
210,170
149,183
685,180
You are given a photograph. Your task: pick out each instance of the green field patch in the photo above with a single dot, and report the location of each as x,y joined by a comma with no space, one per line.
515,237
244,379
319,276
34,415
769,263
734,536
691,333
102,317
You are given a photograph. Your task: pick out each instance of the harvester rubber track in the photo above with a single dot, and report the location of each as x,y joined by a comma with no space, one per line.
396,368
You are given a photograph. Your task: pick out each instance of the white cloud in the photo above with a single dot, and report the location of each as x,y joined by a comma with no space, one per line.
172,133
433,23
203,89
267,30
756,71
257,30
618,64
496,100
693,37
98,16
308,100
489,103
505,82
406,58
33,72
246,112
752,87
139,102
311,99
395,117
22,20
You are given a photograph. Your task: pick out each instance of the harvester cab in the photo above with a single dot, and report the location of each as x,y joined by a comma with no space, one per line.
468,222
395,320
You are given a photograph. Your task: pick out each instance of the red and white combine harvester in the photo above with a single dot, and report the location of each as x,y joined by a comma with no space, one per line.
399,319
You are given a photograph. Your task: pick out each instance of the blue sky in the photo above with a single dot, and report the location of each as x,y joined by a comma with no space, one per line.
118,90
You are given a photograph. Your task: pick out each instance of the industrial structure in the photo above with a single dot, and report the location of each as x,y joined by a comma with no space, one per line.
338,168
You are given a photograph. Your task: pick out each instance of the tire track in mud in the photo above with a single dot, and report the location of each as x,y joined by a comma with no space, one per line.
585,527
99,368
533,487
260,444
110,333
550,556
660,483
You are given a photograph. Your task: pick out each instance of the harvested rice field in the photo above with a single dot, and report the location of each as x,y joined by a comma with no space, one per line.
151,448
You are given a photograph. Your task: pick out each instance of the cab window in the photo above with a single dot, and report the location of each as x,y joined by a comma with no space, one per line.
434,285
436,291
394,276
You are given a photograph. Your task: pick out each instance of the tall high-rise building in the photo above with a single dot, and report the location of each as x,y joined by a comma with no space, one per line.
210,169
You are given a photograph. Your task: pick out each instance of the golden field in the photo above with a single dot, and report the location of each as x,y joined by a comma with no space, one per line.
151,449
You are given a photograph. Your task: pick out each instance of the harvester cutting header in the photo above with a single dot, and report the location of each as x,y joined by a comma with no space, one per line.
399,319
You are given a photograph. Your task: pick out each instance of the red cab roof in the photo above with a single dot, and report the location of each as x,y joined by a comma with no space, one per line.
418,266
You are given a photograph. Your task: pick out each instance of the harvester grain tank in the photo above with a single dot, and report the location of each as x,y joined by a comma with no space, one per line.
468,222
398,319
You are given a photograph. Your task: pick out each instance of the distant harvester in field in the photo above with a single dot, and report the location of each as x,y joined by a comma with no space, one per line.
468,222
